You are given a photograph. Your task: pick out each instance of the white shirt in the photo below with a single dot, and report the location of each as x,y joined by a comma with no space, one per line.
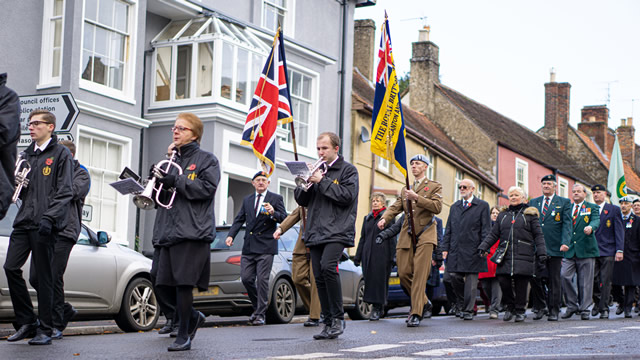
468,201
544,199
44,145
262,196
574,208
601,206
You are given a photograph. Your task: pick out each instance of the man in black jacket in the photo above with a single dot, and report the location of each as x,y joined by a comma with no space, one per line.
9,134
42,215
332,203
262,211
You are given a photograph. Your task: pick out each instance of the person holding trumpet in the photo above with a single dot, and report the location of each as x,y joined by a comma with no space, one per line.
184,226
261,211
9,135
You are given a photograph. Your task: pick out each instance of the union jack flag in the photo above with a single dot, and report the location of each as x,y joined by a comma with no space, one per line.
270,107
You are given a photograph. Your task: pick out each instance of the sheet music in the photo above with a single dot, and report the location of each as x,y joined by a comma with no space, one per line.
298,168
127,186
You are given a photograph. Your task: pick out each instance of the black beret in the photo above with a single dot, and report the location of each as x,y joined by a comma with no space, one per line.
549,177
598,187
259,173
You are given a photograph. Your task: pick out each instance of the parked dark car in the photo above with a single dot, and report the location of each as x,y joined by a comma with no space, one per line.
397,297
227,295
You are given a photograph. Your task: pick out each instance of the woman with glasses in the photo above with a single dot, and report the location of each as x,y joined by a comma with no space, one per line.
182,234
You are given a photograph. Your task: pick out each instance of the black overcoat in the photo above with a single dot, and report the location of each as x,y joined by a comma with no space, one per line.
376,260
466,228
627,271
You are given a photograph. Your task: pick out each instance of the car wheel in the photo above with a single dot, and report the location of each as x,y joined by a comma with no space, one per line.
362,311
139,310
283,303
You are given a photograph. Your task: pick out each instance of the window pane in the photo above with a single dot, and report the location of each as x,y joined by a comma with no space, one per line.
163,73
90,9
87,60
99,154
101,43
116,69
183,71
205,69
55,70
57,7
117,47
105,13
99,70
172,30
193,28
257,62
121,16
306,87
88,37
114,154
241,76
227,70
296,83
269,19
57,32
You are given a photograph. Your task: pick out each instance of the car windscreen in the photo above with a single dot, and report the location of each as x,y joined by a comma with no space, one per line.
6,225
288,239
221,235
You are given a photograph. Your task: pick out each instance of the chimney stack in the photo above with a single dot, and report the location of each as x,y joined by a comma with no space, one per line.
556,112
364,46
595,124
425,72
626,139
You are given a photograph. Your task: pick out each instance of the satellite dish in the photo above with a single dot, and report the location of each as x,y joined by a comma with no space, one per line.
364,134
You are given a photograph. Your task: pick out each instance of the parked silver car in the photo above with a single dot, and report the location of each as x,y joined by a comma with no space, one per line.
103,280
227,296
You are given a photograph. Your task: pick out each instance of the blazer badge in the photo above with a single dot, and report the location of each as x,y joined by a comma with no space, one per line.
608,222
558,217
586,219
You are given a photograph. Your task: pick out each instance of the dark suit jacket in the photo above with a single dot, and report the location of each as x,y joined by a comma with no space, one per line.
556,224
258,236
610,234
582,245
465,231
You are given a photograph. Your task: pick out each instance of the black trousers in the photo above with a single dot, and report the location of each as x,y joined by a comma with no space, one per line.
465,286
603,275
254,272
629,298
62,250
324,260
8,154
514,292
166,295
554,267
538,293
22,243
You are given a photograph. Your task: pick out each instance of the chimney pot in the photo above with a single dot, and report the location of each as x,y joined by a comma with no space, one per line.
629,121
423,34
623,122
592,118
553,75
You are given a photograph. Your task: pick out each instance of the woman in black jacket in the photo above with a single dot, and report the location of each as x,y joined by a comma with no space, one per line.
518,230
183,233
376,256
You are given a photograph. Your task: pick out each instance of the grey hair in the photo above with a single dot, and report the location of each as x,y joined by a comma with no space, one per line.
584,188
518,190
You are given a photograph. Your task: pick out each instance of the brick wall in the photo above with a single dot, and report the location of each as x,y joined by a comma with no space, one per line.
584,157
425,69
556,114
626,140
364,46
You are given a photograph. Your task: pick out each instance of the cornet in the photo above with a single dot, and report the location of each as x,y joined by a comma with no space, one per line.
22,170
303,182
145,200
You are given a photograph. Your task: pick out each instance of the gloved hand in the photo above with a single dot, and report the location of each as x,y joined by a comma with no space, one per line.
379,240
482,253
45,227
356,262
157,172
542,259
168,181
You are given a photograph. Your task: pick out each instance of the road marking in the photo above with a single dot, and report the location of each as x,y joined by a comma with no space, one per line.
631,327
608,331
426,341
571,335
541,338
370,348
441,352
307,356
548,356
582,327
495,343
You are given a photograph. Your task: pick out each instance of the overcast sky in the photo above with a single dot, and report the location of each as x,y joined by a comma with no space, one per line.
500,52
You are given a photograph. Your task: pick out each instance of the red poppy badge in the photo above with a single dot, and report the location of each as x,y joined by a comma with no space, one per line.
49,161
606,212
192,167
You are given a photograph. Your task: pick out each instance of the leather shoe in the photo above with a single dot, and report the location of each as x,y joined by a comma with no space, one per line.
604,314
324,334
459,314
252,317
180,347
427,310
311,322
467,316
595,311
259,321
552,317
567,314
619,310
167,328
627,314
56,334
520,317
69,313
508,316
585,315
540,314
25,331
336,329
40,339
174,332
414,321
375,314
195,325
493,315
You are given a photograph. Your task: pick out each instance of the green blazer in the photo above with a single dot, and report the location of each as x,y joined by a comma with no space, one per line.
581,245
556,224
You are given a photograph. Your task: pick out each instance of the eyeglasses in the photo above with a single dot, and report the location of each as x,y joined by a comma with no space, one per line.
36,123
179,129
462,187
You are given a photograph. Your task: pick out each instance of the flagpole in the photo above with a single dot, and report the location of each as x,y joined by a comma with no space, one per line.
410,210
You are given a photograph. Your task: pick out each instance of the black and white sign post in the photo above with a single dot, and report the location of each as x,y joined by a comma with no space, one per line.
62,105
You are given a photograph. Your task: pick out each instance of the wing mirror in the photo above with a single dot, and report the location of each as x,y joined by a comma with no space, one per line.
103,237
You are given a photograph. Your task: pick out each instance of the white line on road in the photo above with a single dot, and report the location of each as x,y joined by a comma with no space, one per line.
607,331
571,335
548,356
631,327
540,338
495,343
582,327
307,356
441,352
370,348
426,341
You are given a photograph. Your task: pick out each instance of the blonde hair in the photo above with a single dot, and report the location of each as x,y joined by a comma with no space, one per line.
195,124
518,190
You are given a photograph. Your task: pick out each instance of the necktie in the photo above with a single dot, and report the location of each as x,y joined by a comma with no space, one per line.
575,213
465,204
38,152
255,210
546,206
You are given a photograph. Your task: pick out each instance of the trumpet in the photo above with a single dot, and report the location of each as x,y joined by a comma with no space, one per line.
303,181
22,170
145,200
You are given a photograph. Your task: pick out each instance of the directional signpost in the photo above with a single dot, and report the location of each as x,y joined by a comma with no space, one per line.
62,105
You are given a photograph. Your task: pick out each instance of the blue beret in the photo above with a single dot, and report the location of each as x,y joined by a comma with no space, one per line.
420,157
626,199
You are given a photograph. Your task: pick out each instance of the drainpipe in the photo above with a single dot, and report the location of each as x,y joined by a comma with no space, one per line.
137,246
341,72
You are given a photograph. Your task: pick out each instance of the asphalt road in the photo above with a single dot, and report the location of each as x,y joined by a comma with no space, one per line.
440,337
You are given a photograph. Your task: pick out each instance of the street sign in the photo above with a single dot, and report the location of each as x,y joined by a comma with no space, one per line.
62,105
25,139
87,213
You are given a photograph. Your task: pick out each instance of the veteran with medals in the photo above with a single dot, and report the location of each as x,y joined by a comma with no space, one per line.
626,273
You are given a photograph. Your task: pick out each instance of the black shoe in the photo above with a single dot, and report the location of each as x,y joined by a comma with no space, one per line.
375,314
627,314
414,321
520,317
540,314
259,321
311,322
508,316
585,315
567,314
467,316
459,314
636,309
40,339
427,310
195,325
25,331
453,310
324,334
552,317
174,332
604,314
595,311
167,328
251,318
56,334
68,315
336,329
619,310
180,347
